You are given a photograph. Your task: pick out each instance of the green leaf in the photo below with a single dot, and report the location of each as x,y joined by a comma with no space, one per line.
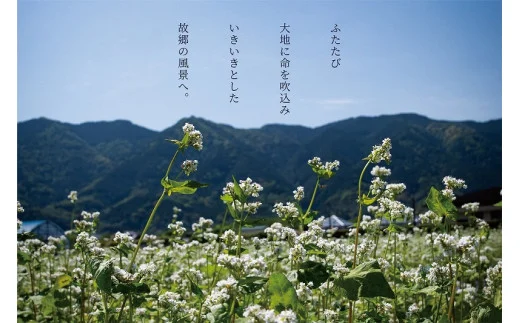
196,289
48,306
441,204
486,313
315,272
131,288
226,198
233,212
184,187
238,191
23,257
103,274
282,293
369,201
37,299
430,290
63,281
313,249
178,143
252,284
366,280
498,204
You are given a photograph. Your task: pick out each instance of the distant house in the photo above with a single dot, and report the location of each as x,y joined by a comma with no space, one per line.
335,221
42,229
487,210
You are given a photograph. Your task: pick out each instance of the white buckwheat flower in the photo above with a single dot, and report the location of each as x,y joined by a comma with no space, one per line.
286,212
195,137
20,208
381,152
451,184
189,166
378,171
73,196
298,193
471,207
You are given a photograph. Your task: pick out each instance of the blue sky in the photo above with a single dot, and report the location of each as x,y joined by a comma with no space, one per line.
105,60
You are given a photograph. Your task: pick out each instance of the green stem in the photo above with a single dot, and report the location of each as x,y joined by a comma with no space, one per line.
171,163
451,315
395,280
360,210
313,195
146,228
103,295
83,285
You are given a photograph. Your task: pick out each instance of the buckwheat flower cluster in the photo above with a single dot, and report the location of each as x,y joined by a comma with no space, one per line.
219,295
255,313
304,291
150,239
383,263
286,316
18,224
177,229
466,244
250,188
493,279
394,208
85,242
229,238
73,196
20,208
58,242
203,225
392,190
243,265
471,207
412,310
314,233
84,226
146,270
330,315
297,253
365,247
172,301
451,184
124,276
189,166
448,243
316,162
470,293
377,186
430,218
251,207
124,240
439,275
277,232
89,216
287,211
140,311
381,152
298,193
379,171
48,249
194,136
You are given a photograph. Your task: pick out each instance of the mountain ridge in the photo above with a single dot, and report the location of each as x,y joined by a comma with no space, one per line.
119,175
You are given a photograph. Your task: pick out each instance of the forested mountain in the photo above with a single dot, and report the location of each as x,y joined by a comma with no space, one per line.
116,166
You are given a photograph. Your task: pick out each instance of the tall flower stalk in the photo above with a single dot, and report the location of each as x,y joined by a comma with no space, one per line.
191,138
378,154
